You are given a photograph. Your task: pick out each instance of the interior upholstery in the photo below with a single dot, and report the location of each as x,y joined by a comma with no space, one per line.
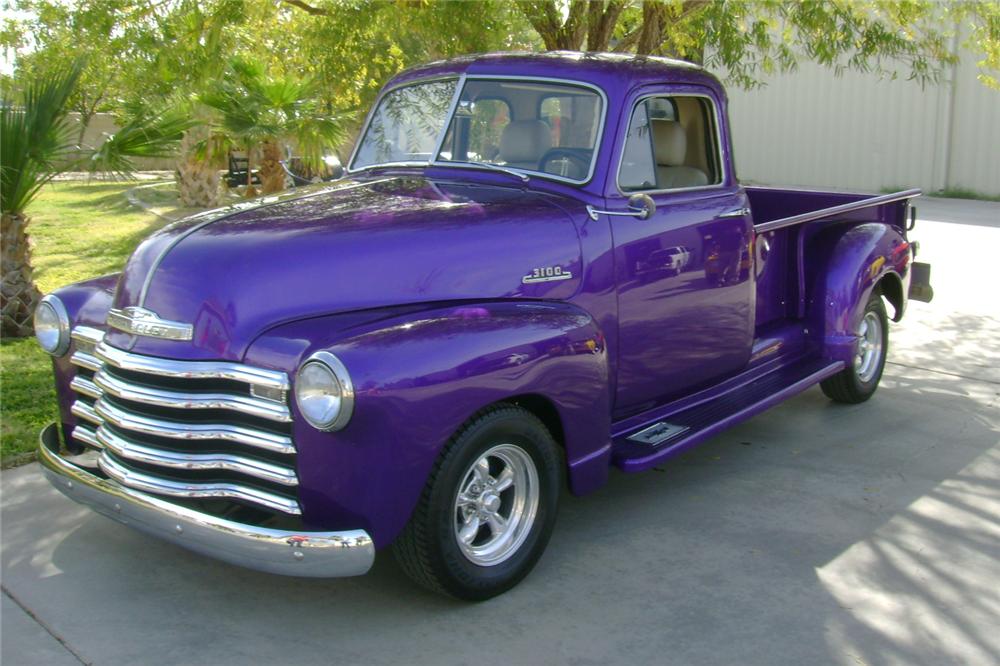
523,142
670,151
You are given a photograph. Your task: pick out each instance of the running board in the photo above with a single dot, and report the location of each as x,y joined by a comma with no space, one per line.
673,433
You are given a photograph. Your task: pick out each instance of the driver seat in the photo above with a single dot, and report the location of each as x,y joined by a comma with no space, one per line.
523,142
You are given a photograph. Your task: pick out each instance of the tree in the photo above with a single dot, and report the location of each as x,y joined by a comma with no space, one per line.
36,144
747,39
258,111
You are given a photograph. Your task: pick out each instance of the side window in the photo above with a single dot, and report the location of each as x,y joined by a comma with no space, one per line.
683,142
637,170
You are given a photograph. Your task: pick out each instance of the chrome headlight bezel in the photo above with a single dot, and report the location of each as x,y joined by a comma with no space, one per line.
60,317
319,365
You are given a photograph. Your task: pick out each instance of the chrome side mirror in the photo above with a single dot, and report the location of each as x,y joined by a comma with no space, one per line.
640,206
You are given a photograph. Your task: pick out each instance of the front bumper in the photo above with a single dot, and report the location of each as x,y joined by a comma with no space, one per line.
310,554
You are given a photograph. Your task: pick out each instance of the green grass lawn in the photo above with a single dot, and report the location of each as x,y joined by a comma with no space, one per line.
78,231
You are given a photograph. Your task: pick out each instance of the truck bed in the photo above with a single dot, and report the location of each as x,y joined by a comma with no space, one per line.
786,220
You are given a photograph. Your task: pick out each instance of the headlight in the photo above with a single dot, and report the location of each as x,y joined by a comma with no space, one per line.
52,325
324,393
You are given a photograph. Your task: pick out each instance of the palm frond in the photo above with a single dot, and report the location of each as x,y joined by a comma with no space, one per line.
148,135
35,136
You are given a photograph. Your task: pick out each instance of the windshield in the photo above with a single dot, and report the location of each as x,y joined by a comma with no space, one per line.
529,126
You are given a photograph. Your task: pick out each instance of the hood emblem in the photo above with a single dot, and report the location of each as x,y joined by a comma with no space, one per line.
140,321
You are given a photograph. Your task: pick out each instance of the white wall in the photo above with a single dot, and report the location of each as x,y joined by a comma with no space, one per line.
856,131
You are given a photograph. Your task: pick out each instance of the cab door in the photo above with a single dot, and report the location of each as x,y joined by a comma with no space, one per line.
683,274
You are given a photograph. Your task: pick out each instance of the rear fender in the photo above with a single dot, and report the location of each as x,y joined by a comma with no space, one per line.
859,260
419,376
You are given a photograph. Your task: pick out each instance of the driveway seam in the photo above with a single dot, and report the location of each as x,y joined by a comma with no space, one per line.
942,372
49,630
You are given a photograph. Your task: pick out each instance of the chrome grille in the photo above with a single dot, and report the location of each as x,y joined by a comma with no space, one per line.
185,429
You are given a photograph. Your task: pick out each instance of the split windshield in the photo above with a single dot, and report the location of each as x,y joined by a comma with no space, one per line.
525,125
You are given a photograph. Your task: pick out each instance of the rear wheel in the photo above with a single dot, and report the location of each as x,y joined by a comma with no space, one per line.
488,509
858,382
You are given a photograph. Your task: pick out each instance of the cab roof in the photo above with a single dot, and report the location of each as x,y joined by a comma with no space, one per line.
615,73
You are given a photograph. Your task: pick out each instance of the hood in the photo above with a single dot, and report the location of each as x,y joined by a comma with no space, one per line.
349,246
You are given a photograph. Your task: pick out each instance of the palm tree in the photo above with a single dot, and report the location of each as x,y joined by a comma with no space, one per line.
258,112
36,144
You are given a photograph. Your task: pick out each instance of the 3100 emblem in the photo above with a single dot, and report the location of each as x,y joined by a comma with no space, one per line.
546,274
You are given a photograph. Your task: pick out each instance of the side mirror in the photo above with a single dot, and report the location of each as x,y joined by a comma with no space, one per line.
642,204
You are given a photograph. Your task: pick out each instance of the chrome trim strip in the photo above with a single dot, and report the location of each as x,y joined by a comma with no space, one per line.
837,210
191,369
85,360
220,214
82,410
313,554
86,387
179,400
86,435
156,485
193,431
87,335
124,448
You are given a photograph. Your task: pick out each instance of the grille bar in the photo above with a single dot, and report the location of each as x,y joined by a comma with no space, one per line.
85,360
86,412
131,412
127,420
181,400
86,435
160,486
191,369
86,387
127,449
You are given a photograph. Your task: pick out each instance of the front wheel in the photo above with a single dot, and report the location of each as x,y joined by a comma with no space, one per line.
488,509
858,382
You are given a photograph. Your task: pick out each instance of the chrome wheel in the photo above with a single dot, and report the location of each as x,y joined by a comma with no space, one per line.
868,356
496,505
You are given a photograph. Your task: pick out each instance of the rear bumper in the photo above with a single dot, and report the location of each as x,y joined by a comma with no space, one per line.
310,554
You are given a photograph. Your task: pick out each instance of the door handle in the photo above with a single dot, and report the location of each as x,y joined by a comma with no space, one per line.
639,205
736,212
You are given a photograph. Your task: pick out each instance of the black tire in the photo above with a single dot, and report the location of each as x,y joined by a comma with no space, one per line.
428,549
848,386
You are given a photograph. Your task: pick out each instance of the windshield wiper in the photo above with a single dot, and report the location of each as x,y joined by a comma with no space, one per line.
491,167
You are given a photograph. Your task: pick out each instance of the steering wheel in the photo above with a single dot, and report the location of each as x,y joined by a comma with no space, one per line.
581,162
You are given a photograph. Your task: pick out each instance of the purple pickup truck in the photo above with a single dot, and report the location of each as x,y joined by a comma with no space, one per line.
536,268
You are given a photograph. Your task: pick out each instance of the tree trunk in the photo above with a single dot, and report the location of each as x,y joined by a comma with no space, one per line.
601,20
272,175
197,176
651,35
545,18
18,294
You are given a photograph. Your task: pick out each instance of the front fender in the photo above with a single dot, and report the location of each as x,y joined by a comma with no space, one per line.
87,304
418,376
858,260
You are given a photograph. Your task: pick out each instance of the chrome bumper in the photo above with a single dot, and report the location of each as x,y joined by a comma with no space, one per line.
312,554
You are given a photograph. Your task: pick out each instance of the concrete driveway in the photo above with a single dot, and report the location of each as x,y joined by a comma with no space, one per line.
813,534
